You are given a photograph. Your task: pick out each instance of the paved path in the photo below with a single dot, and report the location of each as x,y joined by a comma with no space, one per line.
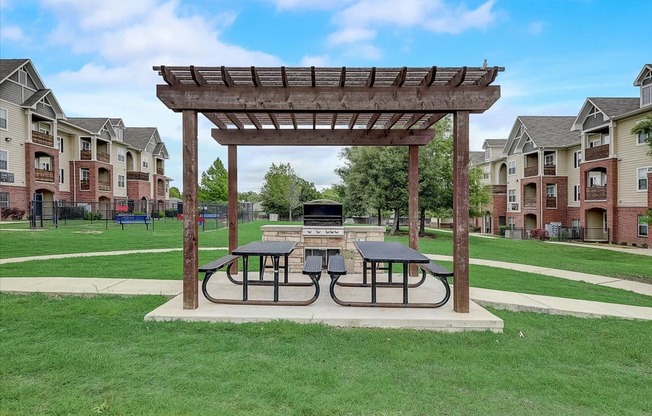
487,297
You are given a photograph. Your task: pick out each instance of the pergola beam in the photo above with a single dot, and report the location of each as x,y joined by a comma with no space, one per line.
322,137
472,98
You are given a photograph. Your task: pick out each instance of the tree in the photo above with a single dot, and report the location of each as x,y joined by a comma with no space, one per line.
248,196
175,193
644,127
478,193
214,183
284,191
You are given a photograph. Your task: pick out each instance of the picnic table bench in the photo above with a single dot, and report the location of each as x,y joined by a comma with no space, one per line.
132,219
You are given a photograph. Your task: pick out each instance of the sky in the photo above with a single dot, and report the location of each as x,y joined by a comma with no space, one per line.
97,56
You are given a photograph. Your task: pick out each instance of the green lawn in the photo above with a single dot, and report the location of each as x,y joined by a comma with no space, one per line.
76,355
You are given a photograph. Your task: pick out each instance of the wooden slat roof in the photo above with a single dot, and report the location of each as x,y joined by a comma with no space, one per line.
320,98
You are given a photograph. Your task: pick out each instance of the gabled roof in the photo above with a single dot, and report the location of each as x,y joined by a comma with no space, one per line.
543,131
641,75
139,137
494,143
476,158
9,66
609,106
35,98
161,150
91,124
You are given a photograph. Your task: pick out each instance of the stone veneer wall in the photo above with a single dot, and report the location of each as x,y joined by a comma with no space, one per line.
345,244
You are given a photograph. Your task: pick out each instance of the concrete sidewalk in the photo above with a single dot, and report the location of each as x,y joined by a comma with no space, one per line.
173,288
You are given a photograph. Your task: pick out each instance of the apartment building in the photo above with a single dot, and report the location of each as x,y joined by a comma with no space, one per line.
47,156
586,173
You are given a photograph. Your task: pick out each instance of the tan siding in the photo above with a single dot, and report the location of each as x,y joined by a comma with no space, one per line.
630,157
572,174
16,130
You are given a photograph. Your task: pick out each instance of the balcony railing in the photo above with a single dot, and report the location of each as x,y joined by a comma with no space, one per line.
551,202
43,175
42,138
531,171
85,185
161,193
499,189
530,202
137,176
598,152
160,171
103,157
86,155
104,185
595,193
550,170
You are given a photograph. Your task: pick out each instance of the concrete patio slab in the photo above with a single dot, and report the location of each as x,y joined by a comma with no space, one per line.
325,311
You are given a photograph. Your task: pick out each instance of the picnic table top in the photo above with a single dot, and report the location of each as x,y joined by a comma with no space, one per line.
389,251
266,248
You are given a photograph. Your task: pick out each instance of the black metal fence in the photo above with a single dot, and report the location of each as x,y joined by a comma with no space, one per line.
212,216
560,234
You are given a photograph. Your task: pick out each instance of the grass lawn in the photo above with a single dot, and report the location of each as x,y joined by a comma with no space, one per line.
77,355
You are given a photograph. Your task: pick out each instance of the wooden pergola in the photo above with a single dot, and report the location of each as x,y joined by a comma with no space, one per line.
310,106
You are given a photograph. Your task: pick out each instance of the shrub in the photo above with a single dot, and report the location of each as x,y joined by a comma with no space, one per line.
158,214
539,234
170,213
71,213
503,228
12,213
93,216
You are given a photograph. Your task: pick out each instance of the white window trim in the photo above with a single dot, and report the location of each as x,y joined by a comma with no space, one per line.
553,186
553,156
62,175
577,159
4,204
509,195
646,169
577,196
121,180
513,163
6,118
638,143
641,224
6,158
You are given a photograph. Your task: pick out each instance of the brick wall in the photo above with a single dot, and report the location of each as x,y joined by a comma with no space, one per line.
19,197
627,230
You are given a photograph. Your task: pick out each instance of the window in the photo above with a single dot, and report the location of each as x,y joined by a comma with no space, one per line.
118,133
60,144
487,153
511,167
85,174
4,199
121,181
511,195
145,164
121,154
597,179
551,190
62,175
549,159
86,144
646,95
576,193
3,160
577,159
485,174
642,178
3,119
642,226
575,223
641,138
511,221
22,77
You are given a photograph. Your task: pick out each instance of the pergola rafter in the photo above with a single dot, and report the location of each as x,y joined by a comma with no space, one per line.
313,106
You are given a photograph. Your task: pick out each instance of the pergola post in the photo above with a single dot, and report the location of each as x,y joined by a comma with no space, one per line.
413,202
190,213
461,211
233,201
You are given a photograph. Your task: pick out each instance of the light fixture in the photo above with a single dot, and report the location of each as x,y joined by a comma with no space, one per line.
7,139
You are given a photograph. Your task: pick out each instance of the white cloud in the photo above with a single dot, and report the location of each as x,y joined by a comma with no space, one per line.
316,60
309,4
350,35
12,33
535,28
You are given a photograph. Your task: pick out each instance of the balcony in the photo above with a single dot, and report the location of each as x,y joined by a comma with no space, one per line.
595,193
530,202
161,193
104,185
551,202
597,152
498,189
86,155
43,175
550,170
160,171
42,138
531,171
103,157
137,176
85,185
